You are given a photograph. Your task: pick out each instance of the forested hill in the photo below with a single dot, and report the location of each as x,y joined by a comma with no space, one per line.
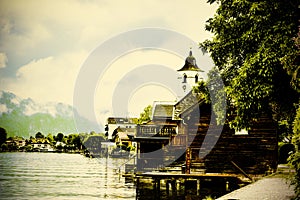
24,117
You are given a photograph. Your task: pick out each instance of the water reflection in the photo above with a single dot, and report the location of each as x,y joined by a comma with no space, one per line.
61,176
73,176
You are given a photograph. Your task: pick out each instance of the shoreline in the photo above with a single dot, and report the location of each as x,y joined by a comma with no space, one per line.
276,186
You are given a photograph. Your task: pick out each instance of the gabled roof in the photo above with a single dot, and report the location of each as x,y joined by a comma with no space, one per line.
162,110
121,120
123,136
186,104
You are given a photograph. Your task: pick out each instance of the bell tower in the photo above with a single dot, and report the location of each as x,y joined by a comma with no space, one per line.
190,73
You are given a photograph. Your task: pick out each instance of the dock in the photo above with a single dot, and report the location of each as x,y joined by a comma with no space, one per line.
175,183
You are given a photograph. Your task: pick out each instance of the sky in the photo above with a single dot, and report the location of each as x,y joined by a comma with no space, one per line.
46,45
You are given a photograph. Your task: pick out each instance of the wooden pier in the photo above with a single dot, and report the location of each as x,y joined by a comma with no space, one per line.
174,183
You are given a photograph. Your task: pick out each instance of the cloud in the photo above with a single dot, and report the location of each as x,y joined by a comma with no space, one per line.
47,41
37,29
3,60
47,79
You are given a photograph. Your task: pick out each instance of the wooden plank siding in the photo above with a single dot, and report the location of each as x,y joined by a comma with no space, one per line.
255,153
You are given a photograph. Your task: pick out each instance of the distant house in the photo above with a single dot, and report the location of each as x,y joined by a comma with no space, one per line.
42,146
119,124
61,144
122,139
20,142
15,143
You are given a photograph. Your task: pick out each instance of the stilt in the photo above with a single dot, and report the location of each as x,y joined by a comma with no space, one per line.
167,186
198,187
227,189
156,187
173,184
137,187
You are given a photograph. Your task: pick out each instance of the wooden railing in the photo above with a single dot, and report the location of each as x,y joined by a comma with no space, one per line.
156,130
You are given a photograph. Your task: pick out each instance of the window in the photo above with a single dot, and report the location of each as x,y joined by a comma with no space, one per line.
184,78
241,132
196,78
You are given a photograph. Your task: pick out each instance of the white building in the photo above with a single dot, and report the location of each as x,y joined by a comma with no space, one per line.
190,73
120,124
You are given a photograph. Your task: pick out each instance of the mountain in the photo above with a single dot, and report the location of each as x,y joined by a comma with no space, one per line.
24,117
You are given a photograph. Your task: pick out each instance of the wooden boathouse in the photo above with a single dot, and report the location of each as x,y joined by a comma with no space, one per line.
254,151
184,142
185,133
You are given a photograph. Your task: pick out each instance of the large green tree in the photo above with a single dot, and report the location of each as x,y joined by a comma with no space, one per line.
250,44
294,61
256,49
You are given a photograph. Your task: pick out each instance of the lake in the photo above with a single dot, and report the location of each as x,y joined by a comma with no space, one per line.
61,176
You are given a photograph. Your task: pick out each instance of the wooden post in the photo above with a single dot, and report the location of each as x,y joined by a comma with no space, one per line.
167,186
157,185
137,187
173,184
188,161
198,187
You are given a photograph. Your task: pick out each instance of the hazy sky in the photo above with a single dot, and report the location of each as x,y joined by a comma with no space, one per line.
43,45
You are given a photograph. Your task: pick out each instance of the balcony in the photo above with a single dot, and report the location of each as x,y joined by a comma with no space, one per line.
156,130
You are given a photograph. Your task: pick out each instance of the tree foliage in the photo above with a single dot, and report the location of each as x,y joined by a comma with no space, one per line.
39,135
256,48
212,91
60,137
295,158
145,115
250,46
3,136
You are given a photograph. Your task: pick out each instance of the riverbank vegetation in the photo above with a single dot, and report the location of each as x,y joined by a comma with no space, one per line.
71,143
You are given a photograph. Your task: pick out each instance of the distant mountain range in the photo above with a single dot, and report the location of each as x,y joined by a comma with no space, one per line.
24,117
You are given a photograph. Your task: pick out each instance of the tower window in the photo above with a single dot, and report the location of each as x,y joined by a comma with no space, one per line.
184,78
196,78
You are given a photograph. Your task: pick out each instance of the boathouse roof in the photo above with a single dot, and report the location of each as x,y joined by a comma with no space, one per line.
162,109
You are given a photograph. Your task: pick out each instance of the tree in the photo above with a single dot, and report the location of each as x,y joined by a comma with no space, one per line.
50,138
3,135
76,141
294,61
251,40
145,115
295,158
39,135
254,49
60,137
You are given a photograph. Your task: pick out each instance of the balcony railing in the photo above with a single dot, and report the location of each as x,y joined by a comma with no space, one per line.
156,130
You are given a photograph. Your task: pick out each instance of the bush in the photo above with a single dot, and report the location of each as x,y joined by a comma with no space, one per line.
295,158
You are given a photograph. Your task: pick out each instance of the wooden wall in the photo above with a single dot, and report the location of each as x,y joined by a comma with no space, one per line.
255,153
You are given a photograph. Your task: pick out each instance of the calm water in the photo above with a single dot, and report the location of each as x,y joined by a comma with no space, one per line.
61,176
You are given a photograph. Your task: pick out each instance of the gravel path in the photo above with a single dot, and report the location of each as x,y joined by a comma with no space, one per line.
271,188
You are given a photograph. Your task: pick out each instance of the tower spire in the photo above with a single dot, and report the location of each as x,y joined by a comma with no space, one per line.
190,72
